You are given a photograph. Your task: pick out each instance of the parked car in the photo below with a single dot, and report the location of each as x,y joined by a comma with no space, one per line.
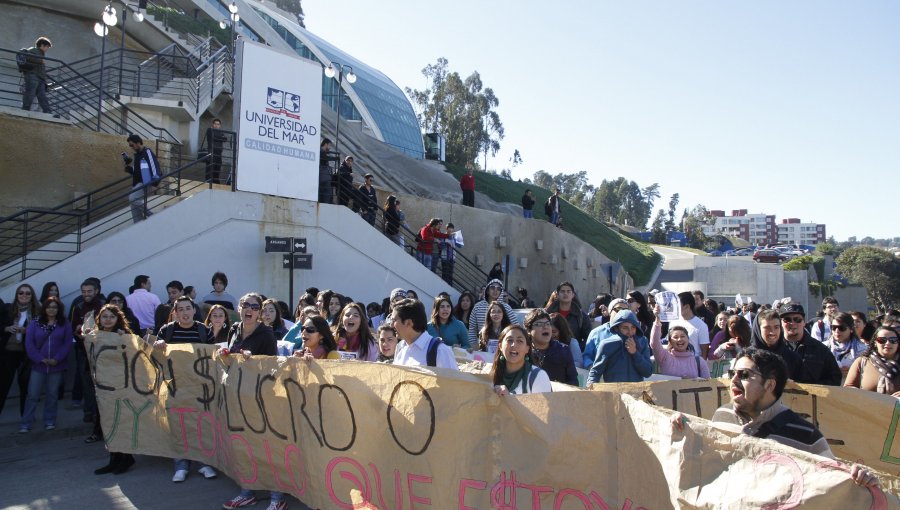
770,256
743,252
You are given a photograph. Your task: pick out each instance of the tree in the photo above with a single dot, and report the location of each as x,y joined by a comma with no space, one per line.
673,204
658,230
876,270
692,225
516,158
462,110
293,7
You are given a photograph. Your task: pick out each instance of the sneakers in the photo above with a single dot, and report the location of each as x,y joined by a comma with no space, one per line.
180,475
277,505
24,430
207,472
49,426
239,502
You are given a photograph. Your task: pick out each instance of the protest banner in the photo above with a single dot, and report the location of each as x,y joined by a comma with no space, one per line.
347,434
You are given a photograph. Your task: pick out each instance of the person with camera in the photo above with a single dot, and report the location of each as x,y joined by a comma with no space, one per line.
145,173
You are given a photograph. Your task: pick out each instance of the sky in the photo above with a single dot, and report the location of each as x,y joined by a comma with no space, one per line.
784,108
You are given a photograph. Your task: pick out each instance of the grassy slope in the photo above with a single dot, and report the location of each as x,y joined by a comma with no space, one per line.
638,258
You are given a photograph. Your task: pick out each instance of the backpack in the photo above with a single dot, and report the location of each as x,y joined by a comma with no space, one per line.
22,61
431,355
531,377
548,209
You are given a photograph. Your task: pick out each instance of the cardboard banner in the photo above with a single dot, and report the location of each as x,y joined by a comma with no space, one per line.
346,434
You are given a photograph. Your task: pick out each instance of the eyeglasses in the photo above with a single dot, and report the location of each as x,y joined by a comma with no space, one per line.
310,329
795,319
886,339
839,327
540,324
24,293
743,374
252,306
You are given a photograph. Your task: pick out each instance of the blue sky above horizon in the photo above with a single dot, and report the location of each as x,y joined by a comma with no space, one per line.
785,108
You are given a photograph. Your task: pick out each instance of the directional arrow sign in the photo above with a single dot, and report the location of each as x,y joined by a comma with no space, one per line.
299,245
278,244
301,261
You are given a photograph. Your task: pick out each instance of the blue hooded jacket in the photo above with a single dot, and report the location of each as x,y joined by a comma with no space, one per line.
613,362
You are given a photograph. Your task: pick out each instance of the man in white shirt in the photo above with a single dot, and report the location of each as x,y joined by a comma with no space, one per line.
698,332
417,347
821,329
142,302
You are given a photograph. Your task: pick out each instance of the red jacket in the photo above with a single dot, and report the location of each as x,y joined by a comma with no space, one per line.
428,234
467,183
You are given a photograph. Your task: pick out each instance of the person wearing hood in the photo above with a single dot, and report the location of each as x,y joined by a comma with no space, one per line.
589,353
567,305
766,335
624,356
678,359
493,292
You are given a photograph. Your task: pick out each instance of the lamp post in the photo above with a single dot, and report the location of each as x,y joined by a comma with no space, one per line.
101,28
138,17
330,71
235,18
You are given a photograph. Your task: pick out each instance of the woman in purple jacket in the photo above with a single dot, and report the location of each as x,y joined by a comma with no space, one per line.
48,341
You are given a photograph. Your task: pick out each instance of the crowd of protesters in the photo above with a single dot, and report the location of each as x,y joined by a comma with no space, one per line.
611,339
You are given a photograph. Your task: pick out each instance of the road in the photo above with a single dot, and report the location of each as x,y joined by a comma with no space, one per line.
678,266
54,470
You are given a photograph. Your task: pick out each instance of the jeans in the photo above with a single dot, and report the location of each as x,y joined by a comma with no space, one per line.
139,209
528,213
468,198
276,496
83,372
554,218
37,383
447,271
424,258
35,86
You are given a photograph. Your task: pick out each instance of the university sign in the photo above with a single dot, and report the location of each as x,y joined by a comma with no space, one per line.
279,103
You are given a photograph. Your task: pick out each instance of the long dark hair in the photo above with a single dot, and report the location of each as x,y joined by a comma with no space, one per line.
324,329
487,328
60,313
34,306
644,314
741,327
461,314
365,334
562,325
45,292
498,369
435,316
121,321
871,343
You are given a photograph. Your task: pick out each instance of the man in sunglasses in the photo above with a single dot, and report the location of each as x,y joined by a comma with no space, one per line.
817,364
757,383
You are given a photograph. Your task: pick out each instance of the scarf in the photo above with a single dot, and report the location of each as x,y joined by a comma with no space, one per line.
514,379
841,351
888,370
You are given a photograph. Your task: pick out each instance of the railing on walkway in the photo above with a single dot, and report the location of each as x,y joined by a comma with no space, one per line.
75,97
35,239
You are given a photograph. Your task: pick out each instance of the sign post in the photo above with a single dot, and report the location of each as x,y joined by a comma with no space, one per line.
295,256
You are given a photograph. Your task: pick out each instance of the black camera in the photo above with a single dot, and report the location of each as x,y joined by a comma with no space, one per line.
126,159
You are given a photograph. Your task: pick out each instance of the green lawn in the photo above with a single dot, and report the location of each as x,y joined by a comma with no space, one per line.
638,258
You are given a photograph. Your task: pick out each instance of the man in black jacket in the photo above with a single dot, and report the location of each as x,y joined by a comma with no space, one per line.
35,75
145,172
527,205
818,365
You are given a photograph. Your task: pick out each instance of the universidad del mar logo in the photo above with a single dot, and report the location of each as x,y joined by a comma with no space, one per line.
282,102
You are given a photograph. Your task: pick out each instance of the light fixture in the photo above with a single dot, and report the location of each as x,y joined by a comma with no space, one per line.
100,29
223,24
110,17
351,77
139,16
235,17
329,71
233,8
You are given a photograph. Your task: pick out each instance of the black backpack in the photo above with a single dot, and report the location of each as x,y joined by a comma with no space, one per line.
548,209
431,355
22,61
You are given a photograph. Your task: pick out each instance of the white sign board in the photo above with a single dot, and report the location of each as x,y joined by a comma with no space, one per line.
279,108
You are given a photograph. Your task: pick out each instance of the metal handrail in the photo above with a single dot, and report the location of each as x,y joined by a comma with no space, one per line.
36,238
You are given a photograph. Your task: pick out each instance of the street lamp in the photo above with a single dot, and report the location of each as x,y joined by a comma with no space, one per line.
138,18
336,68
108,18
235,18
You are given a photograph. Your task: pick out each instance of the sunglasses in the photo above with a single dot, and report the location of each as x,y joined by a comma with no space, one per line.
795,320
839,327
252,306
743,374
23,293
886,339
310,329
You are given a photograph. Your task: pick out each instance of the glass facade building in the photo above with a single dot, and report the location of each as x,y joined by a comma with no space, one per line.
379,99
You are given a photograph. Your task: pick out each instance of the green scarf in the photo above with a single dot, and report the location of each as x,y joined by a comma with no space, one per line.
512,380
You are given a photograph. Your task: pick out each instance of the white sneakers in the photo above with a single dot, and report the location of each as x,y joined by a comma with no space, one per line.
180,475
207,472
